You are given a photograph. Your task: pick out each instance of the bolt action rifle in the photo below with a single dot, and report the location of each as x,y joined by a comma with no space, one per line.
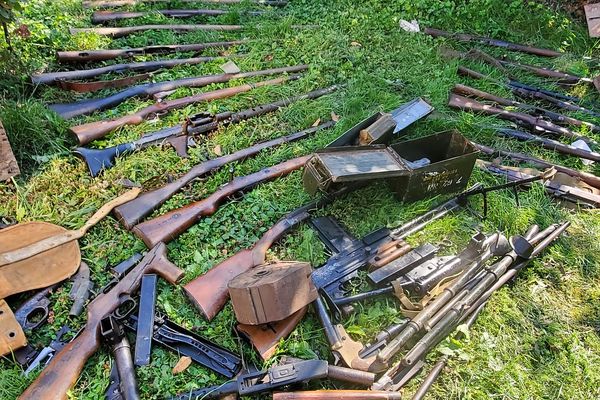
133,212
63,371
170,225
464,37
52,78
102,17
94,130
129,30
120,3
181,136
559,100
557,118
78,56
467,104
86,107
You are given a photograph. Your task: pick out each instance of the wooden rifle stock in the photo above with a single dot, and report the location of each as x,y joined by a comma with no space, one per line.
103,55
120,3
94,130
66,366
338,394
133,212
101,17
464,37
53,77
170,225
466,104
209,292
129,30
70,110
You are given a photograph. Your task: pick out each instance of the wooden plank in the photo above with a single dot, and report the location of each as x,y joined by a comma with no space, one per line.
592,15
8,163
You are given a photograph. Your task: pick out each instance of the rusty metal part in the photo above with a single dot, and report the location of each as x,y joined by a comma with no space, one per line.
8,163
87,87
271,292
388,253
12,336
265,338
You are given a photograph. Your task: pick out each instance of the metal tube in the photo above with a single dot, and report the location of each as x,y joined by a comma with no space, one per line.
122,354
430,379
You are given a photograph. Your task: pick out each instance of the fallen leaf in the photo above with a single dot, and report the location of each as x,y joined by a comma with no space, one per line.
182,365
217,150
355,44
316,123
269,57
335,117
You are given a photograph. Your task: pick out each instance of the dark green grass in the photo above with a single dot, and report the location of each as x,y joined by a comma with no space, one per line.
536,339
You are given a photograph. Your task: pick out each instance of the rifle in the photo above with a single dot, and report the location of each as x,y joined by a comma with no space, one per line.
464,37
277,377
549,144
478,55
180,135
209,292
533,93
103,55
586,177
129,30
555,189
132,213
527,108
170,225
86,133
64,369
89,106
466,104
56,77
102,17
120,3
338,394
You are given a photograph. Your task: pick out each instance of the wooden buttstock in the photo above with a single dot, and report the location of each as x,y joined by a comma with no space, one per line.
338,394
209,292
172,224
89,132
63,371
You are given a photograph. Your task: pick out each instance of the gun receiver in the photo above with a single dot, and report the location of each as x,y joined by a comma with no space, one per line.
464,37
132,213
102,17
209,292
466,104
88,132
86,107
52,78
170,225
62,373
129,30
103,55
120,3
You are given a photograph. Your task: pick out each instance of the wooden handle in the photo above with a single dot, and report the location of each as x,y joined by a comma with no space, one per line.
63,371
89,132
338,394
60,239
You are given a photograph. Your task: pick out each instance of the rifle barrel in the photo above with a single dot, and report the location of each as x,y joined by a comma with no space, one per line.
129,30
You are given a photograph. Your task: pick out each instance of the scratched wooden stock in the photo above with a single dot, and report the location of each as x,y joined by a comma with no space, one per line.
170,225
102,17
63,371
